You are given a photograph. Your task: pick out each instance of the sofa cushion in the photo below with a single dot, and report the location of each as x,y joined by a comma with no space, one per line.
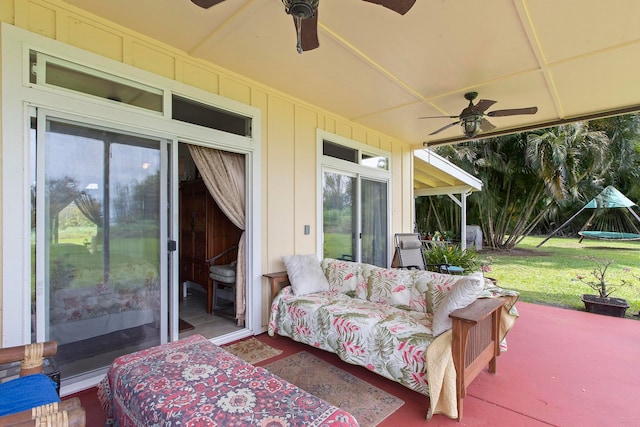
438,286
387,340
463,293
388,286
305,274
343,276
418,300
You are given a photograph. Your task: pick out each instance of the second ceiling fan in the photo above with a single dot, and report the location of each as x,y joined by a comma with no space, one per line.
472,118
305,16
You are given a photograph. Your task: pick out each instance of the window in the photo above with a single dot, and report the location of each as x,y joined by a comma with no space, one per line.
187,110
46,70
373,161
49,71
355,203
354,155
339,152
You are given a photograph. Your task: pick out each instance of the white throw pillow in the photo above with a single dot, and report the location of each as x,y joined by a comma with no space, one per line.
463,293
305,274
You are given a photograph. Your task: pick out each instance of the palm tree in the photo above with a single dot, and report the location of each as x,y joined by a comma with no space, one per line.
525,175
623,169
567,159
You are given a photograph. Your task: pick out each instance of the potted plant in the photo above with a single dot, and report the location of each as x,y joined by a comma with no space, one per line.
603,302
449,255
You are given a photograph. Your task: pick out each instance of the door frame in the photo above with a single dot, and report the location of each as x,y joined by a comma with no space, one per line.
19,96
358,172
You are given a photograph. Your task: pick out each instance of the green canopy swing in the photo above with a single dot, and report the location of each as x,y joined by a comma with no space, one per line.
612,218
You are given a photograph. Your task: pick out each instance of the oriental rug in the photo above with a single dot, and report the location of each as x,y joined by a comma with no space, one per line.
252,350
368,404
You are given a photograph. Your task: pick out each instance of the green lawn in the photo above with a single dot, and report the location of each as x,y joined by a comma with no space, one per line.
547,275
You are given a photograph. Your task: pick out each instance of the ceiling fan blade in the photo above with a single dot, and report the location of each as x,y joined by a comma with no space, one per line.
308,32
445,127
486,125
439,117
206,4
483,104
513,112
398,6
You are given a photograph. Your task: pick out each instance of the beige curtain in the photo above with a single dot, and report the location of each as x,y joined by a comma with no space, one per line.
224,175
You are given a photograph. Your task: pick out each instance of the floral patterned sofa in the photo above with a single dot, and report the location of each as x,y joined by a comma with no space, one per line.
396,322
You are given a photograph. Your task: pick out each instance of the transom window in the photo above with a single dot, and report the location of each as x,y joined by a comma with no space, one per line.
354,155
47,70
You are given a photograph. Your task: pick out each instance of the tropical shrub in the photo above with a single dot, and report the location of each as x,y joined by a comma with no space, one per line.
452,255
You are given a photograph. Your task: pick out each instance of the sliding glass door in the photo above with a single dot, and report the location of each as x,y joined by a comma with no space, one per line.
374,222
355,223
100,281
339,214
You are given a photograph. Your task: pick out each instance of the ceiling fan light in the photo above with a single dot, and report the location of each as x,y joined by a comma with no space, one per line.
471,126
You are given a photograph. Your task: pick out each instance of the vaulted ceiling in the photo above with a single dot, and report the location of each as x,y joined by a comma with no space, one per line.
570,58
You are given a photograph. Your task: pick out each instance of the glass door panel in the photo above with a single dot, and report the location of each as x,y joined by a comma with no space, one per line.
339,216
98,244
374,222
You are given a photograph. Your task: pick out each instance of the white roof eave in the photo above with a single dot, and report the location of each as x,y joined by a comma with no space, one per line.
469,183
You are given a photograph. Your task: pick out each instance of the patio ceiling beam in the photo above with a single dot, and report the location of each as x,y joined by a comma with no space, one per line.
460,189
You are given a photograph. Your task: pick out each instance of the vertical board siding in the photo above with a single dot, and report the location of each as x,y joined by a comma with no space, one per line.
40,20
288,125
194,75
305,176
280,168
7,12
344,129
89,36
153,59
235,89
359,135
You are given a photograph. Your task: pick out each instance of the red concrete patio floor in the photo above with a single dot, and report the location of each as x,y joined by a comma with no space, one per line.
562,368
566,367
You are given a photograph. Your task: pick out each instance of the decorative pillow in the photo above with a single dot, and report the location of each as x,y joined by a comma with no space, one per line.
305,274
461,295
343,276
440,285
390,286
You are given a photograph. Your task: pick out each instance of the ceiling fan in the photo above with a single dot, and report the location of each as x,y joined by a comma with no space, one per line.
472,118
305,16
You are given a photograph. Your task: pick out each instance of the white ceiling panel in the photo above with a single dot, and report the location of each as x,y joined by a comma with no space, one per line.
601,82
570,58
570,28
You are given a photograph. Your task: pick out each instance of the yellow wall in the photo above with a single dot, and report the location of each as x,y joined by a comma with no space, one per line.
289,125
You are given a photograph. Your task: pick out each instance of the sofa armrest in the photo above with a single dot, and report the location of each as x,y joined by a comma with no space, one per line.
277,281
477,310
475,341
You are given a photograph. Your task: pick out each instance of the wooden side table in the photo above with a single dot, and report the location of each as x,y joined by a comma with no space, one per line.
276,282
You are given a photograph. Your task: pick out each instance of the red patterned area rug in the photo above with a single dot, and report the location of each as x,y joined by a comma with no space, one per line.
368,404
251,350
